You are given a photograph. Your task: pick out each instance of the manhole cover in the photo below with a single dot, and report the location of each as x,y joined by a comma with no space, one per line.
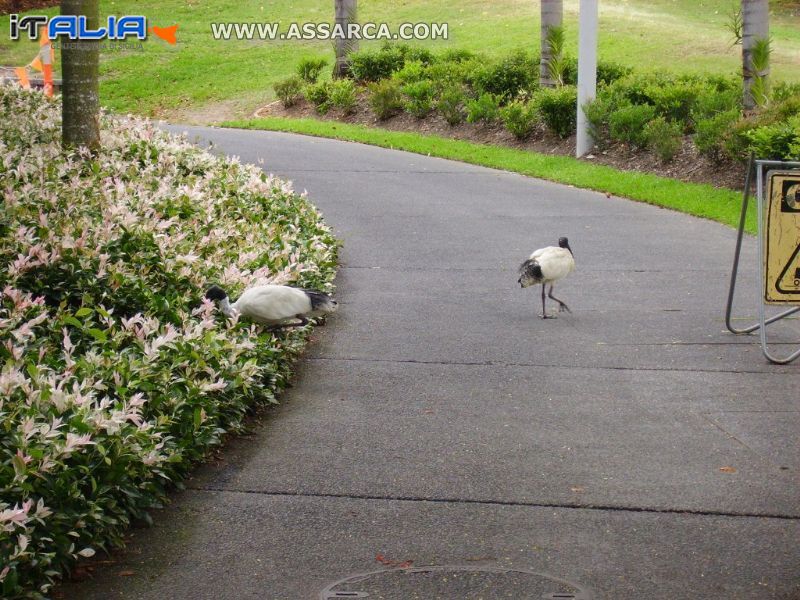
454,582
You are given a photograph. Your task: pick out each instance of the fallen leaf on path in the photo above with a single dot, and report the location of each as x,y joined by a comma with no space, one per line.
578,490
728,469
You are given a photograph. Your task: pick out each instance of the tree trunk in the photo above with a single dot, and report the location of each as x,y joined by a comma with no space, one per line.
552,11
80,96
755,27
346,13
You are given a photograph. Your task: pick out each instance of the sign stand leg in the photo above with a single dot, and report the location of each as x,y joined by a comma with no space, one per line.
735,270
762,323
778,361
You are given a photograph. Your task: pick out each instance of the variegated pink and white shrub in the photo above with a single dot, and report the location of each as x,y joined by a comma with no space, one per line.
115,374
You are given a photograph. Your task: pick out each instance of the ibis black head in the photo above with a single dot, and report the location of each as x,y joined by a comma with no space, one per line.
216,293
564,243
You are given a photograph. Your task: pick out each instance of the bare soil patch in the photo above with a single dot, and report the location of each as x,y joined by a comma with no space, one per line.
213,112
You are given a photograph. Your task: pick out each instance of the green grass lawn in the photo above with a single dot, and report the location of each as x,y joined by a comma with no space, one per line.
204,80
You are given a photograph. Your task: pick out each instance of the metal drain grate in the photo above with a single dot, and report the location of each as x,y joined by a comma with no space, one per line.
465,582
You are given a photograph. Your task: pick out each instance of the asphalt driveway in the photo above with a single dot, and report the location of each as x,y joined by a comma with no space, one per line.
631,449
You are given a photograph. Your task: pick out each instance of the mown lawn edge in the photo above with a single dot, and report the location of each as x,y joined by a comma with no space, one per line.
701,200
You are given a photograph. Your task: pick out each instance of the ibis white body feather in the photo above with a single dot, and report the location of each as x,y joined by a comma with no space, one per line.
556,263
547,266
275,304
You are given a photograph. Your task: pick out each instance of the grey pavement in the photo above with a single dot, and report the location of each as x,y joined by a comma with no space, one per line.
631,449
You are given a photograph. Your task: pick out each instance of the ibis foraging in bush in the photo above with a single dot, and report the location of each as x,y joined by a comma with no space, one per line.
275,305
546,266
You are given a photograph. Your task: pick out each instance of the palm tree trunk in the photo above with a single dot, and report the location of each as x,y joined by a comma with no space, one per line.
755,27
552,11
80,95
346,13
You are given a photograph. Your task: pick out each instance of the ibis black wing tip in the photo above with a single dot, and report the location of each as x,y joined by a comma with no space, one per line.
528,264
531,269
319,300
524,266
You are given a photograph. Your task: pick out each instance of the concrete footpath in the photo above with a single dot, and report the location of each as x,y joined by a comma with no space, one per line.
442,441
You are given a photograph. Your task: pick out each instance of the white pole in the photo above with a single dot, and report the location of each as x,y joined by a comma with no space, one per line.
587,71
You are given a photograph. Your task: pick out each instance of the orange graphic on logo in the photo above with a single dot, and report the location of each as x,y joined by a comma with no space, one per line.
166,33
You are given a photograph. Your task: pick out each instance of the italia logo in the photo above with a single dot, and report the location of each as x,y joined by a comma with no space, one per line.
75,27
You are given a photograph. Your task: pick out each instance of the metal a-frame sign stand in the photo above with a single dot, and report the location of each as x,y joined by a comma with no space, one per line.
778,246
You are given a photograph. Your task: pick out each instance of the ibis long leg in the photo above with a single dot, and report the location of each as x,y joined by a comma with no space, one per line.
544,310
561,305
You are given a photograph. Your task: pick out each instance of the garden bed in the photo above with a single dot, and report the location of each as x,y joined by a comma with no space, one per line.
687,127
688,164
116,375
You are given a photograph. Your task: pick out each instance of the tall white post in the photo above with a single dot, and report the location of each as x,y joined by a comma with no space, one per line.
587,71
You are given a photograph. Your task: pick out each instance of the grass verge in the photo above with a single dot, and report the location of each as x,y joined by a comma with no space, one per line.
705,201
202,75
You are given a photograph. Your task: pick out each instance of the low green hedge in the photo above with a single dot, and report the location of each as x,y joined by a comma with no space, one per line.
115,374
707,108
651,110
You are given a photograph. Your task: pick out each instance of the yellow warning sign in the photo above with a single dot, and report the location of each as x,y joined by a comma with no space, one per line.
782,247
